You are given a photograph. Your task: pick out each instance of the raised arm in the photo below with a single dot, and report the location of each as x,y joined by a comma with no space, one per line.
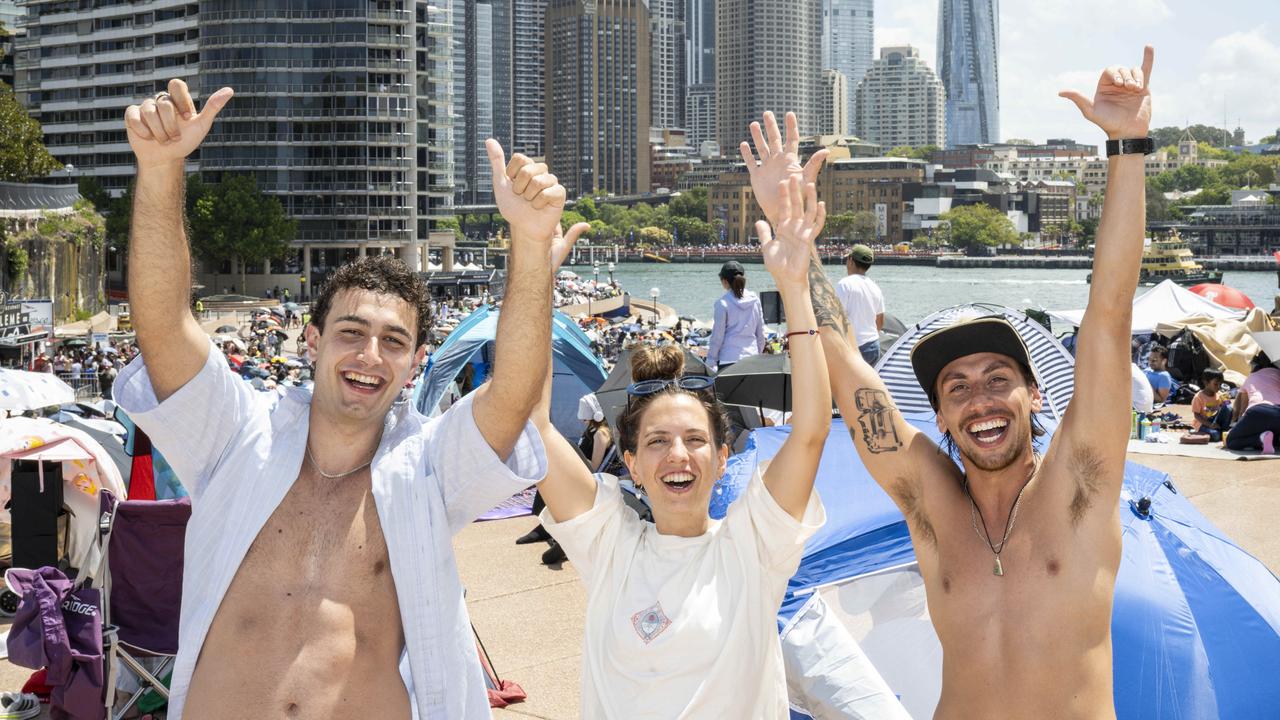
532,200
895,453
569,488
162,132
1096,424
790,474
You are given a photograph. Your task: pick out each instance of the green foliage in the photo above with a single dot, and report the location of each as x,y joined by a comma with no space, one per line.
17,259
654,236
83,226
234,219
1203,133
914,153
690,204
586,207
691,231
978,226
451,223
1275,138
23,155
571,218
852,226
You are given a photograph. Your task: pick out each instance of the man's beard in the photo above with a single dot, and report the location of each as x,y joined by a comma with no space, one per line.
1017,444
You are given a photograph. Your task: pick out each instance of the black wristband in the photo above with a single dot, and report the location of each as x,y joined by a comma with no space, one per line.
1135,146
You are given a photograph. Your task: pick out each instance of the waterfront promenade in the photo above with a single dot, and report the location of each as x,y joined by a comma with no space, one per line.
1030,260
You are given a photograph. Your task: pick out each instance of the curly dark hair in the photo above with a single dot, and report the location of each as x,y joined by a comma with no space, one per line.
381,274
665,363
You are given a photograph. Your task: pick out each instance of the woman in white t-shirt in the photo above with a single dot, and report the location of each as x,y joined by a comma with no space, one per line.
682,612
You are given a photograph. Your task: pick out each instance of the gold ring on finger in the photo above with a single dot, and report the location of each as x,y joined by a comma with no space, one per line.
162,95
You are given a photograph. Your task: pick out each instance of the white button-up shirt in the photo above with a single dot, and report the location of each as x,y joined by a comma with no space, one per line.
238,451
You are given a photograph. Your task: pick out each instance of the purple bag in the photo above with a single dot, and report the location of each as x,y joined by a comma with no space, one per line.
59,628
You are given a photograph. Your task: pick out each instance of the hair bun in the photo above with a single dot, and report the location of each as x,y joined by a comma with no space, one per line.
657,363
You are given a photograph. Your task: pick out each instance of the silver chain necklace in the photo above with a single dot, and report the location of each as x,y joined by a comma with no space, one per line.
339,476
983,534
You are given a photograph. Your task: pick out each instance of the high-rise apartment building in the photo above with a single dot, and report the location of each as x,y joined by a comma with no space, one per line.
474,113
528,77
598,75
76,70
833,104
901,101
969,66
433,103
666,63
700,71
848,40
750,81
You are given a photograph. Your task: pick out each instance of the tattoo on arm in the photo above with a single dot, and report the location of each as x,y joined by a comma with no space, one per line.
875,417
826,305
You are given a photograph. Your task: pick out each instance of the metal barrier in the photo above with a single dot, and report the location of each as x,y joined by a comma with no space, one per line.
86,385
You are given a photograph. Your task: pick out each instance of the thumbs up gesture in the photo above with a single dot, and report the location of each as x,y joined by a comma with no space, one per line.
528,196
165,129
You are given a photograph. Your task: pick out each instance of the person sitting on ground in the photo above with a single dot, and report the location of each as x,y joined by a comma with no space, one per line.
1257,409
682,613
1211,406
863,302
1158,373
738,329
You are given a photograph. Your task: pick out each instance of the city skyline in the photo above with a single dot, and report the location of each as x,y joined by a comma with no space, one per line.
1203,58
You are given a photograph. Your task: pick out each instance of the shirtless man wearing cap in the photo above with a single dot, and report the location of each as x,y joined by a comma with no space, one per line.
1019,553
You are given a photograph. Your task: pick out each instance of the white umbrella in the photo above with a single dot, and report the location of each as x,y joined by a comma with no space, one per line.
1269,342
21,390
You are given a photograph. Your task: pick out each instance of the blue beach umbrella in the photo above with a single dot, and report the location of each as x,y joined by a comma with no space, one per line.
1195,622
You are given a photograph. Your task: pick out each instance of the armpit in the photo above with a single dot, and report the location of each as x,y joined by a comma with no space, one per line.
907,491
1086,471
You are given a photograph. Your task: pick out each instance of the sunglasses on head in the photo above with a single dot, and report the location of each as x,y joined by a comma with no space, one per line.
688,382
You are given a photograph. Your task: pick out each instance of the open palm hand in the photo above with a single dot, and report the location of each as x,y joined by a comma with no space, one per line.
1121,105
777,161
788,246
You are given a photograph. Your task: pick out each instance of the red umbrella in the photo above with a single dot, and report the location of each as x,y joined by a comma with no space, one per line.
1223,295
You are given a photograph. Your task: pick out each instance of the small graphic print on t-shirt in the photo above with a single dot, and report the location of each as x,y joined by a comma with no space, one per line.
650,622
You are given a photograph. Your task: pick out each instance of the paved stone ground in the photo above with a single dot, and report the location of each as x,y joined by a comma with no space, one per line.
530,616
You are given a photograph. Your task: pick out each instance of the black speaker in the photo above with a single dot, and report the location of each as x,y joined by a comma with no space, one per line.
35,514
771,305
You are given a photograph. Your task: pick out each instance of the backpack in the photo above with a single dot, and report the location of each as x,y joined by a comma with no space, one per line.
1187,358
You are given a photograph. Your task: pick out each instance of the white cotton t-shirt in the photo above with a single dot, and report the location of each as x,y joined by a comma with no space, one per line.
862,301
684,627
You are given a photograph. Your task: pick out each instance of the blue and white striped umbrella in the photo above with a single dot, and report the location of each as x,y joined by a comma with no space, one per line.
1052,363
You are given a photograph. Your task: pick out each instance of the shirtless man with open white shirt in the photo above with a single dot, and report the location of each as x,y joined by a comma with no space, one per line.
320,581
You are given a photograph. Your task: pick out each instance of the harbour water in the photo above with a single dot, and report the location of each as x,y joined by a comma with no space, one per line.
910,293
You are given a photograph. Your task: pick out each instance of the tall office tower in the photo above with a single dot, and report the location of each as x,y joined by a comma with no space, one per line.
473,94
833,105
322,117
76,70
786,77
500,40
666,63
900,101
969,65
700,71
433,104
848,40
598,74
528,77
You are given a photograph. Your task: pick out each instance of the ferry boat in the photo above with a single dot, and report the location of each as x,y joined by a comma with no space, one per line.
1171,259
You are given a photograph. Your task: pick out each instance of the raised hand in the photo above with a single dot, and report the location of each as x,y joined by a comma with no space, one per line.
527,195
777,161
166,128
1121,106
800,218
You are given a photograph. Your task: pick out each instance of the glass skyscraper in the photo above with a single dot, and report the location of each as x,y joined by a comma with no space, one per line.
969,65
848,37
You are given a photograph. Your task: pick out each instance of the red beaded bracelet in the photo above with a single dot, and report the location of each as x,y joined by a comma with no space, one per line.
786,339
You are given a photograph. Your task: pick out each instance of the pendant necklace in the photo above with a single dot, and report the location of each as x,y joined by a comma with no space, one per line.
339,476
975,515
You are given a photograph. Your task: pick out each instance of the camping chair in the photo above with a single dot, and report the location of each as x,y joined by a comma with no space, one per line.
141,578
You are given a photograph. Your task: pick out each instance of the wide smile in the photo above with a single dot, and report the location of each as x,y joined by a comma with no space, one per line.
678,483
361,383
989,432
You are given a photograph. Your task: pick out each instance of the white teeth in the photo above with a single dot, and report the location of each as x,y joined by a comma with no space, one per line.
988,425
677,478
366,379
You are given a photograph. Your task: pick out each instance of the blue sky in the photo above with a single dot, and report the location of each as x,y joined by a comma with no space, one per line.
1206,53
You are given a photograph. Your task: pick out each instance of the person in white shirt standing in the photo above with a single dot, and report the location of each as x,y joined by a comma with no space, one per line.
682,612
319,577
862,301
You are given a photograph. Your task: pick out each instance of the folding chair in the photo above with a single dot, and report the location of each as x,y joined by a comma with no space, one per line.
141,578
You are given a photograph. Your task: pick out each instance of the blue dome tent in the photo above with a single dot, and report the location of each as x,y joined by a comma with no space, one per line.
576,370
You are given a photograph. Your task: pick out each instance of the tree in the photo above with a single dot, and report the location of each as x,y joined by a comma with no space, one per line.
569,218
451,223
234,219
1204,133
586,207
914,153
1271,138
690,204
691,231
23,155
654,236
978,226
1019,141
